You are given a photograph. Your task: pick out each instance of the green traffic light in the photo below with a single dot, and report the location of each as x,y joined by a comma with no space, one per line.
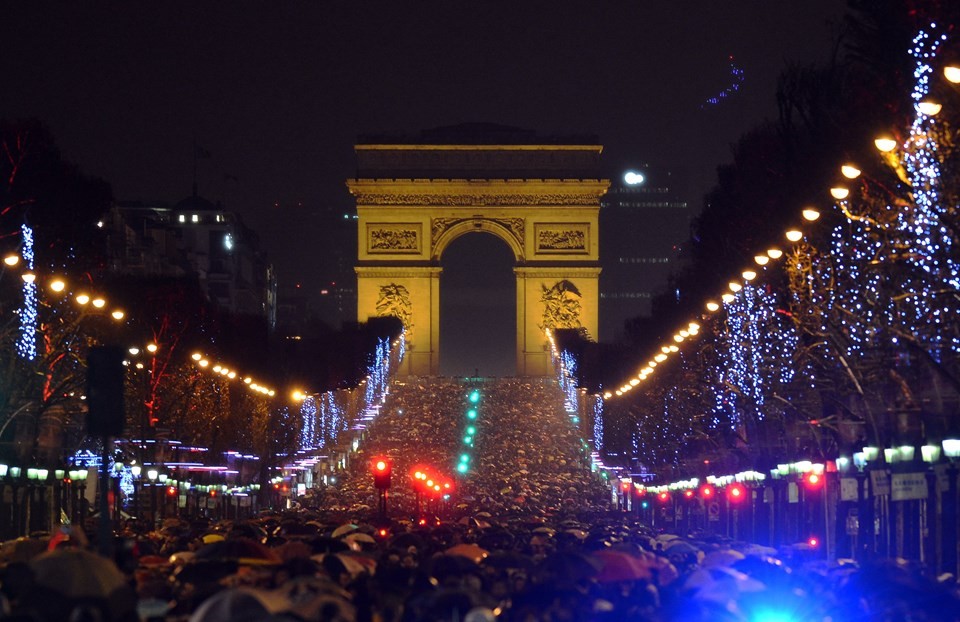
471,430
474,396
472,414
467,439
464,457
462,468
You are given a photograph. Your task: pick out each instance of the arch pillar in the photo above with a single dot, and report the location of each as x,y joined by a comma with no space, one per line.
411,293
541,291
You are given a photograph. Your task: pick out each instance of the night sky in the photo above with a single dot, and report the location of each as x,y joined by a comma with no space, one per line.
277,92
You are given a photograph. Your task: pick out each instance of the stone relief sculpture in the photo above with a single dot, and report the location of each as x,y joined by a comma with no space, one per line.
394,300
561,305
369,198
393,240
561,239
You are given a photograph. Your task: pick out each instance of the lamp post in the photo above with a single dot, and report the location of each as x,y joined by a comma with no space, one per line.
931,455
135,471
951,448
865,527
152,476
162,478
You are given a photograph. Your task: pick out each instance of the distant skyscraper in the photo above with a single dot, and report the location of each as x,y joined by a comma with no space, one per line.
644,219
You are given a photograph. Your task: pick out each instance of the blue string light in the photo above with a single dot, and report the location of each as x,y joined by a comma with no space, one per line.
27,342
736,74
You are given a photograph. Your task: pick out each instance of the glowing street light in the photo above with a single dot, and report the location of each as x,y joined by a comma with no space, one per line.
850,171
929,108
774,253
810,214
839,192
885,143
794,235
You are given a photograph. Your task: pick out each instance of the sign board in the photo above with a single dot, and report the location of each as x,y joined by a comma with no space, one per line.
848,489
793,492
852,523
244,502
182,501
907,486
880,483
714,511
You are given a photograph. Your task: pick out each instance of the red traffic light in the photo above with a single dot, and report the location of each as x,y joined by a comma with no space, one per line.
707,491
736,493
813,481
813,541
171,491
381,473
688,494
663,497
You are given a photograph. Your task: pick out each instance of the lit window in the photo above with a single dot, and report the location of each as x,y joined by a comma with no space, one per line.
228,241
183,218
194,218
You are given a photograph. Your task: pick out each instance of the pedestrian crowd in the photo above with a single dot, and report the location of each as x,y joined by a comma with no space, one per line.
527,535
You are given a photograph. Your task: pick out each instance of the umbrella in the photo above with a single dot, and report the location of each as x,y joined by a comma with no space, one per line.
759,550
78,576
344,529
507,559
353,565
620,566
566,566
721,585
723,557
324,544
360,537
680,548
235,604
470,551
243,550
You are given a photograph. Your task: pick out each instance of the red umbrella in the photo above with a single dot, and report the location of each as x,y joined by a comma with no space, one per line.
619,566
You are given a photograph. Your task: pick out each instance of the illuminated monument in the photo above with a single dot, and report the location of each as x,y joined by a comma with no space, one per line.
540,196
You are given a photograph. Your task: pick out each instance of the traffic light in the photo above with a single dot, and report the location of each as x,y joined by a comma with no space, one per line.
474,396
381,473
688,493
171,491
813,481
736,493
707,492
663,497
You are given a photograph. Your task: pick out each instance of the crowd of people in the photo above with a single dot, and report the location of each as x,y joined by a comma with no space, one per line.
527,535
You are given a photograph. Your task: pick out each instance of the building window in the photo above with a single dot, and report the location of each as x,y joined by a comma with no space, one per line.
183,218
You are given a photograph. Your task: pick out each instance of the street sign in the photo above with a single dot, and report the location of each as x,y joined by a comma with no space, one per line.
848,489
880,483
906,486
714,511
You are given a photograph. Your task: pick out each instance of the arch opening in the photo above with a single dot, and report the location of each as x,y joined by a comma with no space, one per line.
478,314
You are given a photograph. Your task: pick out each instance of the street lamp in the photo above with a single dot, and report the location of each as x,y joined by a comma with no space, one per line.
951,448
152,476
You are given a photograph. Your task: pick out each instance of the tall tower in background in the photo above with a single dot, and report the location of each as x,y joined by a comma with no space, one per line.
644,220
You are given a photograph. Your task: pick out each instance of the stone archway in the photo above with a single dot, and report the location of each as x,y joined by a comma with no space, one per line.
414,198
